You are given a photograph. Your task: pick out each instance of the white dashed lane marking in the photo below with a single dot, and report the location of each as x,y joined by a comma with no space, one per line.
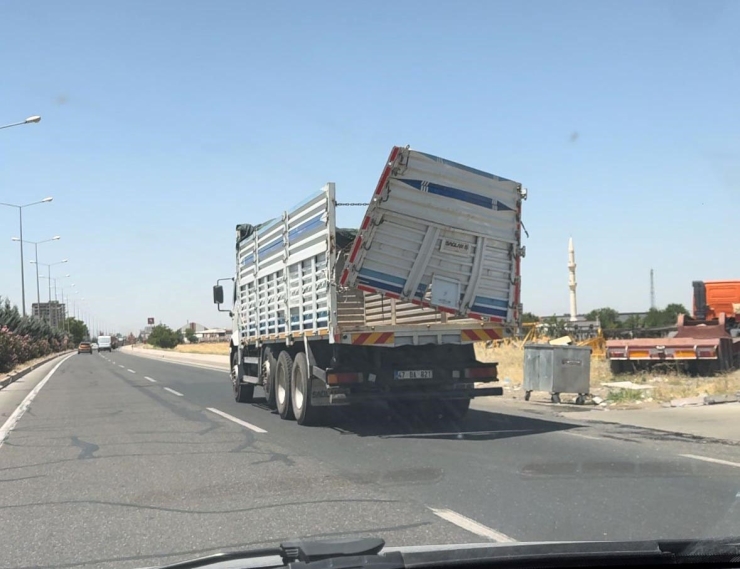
150,379
173,391
472,526
233,419
712,460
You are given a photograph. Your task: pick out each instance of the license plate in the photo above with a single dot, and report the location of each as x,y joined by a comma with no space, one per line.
413,374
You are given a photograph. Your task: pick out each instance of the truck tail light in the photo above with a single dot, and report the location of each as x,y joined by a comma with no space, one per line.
481,372
707,353
343,378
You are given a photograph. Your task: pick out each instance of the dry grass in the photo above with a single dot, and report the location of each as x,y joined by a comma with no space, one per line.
666,386
218,348
674,386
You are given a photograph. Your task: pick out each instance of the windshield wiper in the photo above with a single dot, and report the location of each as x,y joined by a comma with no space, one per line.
365,554
299,553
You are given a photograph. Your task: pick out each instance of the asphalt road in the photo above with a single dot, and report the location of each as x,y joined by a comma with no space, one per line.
123,461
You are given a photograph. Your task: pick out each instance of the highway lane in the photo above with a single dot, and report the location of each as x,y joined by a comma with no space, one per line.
108,469
124,464
522,475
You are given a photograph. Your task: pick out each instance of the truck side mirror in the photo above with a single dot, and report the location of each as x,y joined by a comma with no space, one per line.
218,294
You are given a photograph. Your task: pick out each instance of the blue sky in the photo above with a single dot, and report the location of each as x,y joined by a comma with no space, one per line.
166,123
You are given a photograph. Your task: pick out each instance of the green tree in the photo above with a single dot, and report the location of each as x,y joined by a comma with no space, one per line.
190,335
78,329
528,317
667,317
633,321
607,317
163,336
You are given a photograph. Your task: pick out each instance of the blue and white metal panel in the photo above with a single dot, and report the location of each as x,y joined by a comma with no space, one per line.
440,223
284,272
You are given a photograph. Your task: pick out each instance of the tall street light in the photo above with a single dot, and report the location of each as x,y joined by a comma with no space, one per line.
29,120
20,219
48,267
36,250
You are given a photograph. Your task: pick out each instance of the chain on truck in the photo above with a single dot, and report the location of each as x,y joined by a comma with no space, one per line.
324,316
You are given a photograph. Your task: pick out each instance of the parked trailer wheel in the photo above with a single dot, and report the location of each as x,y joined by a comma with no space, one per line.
269,365
555,398
581,399
300,387
243,392
283,372
527,395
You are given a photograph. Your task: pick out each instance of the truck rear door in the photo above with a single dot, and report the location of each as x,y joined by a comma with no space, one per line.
442,235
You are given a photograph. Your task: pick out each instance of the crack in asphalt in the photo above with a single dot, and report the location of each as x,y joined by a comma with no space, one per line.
201,512
22,478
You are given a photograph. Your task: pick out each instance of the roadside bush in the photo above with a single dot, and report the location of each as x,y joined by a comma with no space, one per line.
24,338
163,336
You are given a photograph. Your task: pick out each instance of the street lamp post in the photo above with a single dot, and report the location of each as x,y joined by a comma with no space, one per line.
20,220
48,267
64,302
29,120
36,251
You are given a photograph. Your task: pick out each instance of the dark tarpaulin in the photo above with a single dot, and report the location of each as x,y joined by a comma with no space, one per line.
345,237
244,230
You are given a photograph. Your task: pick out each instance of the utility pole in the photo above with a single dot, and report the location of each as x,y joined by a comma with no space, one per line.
652,290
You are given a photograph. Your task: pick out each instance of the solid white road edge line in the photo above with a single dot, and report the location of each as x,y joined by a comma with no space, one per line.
472,526
26,403
150,379
173,391
131,371
714,460
581,436
250,426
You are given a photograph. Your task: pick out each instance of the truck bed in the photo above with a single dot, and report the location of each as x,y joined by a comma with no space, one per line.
436,260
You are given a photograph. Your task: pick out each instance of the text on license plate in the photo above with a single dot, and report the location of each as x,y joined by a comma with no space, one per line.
413,374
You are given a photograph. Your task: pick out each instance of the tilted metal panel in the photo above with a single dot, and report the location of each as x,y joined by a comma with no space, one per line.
432,224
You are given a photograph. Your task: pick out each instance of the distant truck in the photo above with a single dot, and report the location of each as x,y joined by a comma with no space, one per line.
105,344
325,316
707,343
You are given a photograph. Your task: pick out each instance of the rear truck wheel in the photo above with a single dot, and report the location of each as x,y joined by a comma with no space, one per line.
527,395
283,372
243,392
300,392
555,398
269,365
581,399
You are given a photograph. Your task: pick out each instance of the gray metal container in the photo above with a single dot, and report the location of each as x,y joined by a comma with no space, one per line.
557,369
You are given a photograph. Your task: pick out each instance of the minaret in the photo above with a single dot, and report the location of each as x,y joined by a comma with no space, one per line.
572,280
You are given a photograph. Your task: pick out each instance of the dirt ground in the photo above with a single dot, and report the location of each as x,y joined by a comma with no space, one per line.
663,386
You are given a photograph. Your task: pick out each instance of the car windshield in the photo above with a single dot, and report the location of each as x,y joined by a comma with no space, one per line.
434,272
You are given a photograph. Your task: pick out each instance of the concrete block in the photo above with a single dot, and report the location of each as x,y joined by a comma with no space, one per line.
688,401
717,399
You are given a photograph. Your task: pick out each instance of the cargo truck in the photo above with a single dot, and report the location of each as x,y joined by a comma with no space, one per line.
704,344
390,312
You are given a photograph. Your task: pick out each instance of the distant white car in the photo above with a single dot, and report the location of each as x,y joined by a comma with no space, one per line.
94,346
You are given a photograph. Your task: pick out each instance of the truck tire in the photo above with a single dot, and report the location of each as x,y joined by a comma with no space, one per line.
243,392
283,372
269,365
300,386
